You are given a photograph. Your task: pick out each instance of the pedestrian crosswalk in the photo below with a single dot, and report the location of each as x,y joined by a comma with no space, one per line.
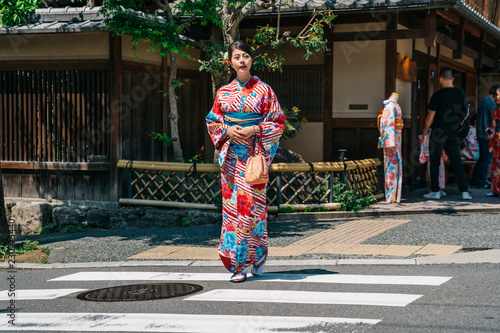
275,292
275,277
152,322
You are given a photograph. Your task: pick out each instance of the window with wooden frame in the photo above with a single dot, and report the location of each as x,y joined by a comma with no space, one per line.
302,87
55,115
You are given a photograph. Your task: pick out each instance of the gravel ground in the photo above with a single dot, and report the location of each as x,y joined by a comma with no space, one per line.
468,230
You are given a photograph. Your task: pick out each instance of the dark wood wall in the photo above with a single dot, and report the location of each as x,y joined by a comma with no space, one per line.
142,113
55,129
57,125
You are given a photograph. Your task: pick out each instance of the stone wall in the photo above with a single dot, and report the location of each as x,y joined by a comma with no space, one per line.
65,216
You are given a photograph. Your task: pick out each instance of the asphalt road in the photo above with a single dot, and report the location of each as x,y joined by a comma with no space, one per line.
469,301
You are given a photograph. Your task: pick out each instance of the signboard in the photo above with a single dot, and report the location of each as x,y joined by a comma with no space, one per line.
406,69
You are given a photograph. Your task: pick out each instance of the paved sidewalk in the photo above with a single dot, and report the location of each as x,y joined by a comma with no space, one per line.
373,236
414,203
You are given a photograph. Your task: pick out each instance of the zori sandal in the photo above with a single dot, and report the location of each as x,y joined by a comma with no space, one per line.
258,267
239,276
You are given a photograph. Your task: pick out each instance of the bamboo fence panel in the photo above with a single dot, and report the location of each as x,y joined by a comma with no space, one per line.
290,183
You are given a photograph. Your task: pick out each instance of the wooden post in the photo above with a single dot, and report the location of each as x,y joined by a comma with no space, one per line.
278,189
459,36
430,29
328,104
116,78
390,60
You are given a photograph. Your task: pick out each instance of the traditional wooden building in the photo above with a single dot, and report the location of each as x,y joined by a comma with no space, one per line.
74,99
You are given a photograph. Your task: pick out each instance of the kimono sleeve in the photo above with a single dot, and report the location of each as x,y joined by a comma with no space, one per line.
215,124
273,125
388,127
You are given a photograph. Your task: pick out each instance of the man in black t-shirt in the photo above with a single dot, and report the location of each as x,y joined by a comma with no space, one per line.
447,108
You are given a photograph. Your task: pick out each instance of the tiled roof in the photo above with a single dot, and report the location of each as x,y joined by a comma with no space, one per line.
53,20
350,6
80,19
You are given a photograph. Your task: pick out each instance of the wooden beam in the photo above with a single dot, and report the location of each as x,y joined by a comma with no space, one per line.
54,65
328,104
68,166
446,41
491,42
479,60
353,36
472,29
451,17
459,35
430,29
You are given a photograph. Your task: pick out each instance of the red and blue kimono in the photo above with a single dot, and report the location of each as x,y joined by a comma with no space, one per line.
391,127
243,238
494,146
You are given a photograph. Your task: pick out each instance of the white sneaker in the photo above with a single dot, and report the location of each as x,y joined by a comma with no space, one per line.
433,196
443,193
466,196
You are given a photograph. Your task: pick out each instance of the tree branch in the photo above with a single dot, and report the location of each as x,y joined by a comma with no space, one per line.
285,38
162,6
308,24
249,9
189,20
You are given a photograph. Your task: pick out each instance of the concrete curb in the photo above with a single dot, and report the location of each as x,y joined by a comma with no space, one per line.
479,257
318,216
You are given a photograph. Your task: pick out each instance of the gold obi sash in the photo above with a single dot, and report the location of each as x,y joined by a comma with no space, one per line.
399,124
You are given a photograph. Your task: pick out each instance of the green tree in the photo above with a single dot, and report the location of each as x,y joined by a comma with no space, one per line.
164,34
267,38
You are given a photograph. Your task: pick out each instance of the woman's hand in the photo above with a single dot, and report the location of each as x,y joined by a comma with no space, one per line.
240,133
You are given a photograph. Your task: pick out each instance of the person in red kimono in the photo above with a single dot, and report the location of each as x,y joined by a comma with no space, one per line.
494,145
246,114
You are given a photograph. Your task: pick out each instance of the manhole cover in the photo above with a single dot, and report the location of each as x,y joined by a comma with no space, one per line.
140,292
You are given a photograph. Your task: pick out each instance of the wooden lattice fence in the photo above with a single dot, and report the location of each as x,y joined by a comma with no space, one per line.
186,185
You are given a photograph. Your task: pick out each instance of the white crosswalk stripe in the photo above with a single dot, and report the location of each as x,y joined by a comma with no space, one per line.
171,322
151,322
25,294
305,297
308,278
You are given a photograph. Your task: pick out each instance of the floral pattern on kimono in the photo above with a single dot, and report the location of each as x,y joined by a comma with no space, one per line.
243,238
425,158
471,147
390,141
495,147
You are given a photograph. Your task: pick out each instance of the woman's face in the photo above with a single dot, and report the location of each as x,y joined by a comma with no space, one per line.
241,61
496,97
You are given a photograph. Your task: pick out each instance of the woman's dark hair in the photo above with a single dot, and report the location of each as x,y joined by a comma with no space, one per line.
494,88
239,45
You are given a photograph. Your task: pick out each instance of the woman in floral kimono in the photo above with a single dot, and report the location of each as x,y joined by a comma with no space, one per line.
246,116
390,127
494,138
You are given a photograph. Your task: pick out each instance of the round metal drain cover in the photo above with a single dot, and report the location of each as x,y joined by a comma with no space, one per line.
140,292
